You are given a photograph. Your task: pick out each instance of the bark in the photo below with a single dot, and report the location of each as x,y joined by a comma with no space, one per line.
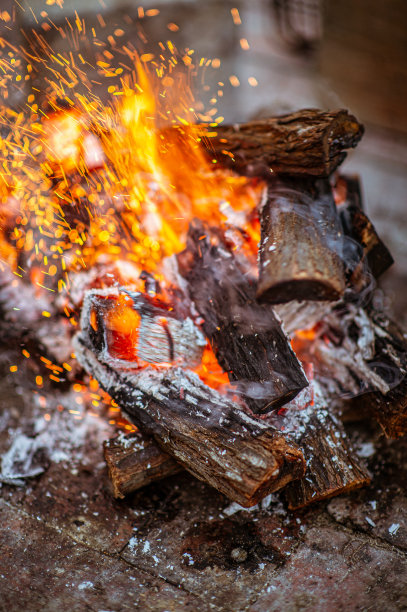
332,468
301,243
134,461
308,142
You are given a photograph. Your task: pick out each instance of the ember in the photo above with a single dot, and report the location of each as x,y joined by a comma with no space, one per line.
130,239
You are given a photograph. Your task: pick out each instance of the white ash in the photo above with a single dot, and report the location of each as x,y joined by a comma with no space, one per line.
59,440
301,315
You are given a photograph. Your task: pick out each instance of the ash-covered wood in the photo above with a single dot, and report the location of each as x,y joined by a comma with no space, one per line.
134,461
204,431
308,142
296,315
332,467
301,243
245,336
361,353
132,328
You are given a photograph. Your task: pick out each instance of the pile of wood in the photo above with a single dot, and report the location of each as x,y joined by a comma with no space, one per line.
273,421
276,424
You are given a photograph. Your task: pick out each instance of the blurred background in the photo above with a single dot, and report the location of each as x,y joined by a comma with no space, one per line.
263,57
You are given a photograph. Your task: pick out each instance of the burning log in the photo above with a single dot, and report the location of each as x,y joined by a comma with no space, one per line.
204,431
332,468
134,461
301,243
359,228
245,336
308,142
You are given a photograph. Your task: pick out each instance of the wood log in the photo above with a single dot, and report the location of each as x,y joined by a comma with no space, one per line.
390,410
134,461
301,243
358,227
308,142
245,336
332,467
204,431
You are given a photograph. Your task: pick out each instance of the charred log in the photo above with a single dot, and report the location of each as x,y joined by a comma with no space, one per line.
204,431
332,467
308,142
245,336
301,243
390,410
373,251
134,461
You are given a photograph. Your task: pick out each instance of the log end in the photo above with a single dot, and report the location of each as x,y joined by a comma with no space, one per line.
288,466
309,289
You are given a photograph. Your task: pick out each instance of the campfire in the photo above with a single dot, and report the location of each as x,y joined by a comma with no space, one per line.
216,281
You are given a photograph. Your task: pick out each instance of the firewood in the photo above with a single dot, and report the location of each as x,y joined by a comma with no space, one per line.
204,431
332,467
308,142
245,336
301,243
134,461
388,406
373,251
390,410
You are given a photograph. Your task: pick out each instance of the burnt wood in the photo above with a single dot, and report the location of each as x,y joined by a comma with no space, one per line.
390,410
307,142
134,460
332,468
358,227
204,431
246,337
301,243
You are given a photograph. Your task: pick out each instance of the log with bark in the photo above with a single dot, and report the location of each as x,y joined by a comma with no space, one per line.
307,142
245,336
357,226
301,243
204,431
134,460
332,467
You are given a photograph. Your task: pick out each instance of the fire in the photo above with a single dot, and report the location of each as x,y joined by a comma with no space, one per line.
96,182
